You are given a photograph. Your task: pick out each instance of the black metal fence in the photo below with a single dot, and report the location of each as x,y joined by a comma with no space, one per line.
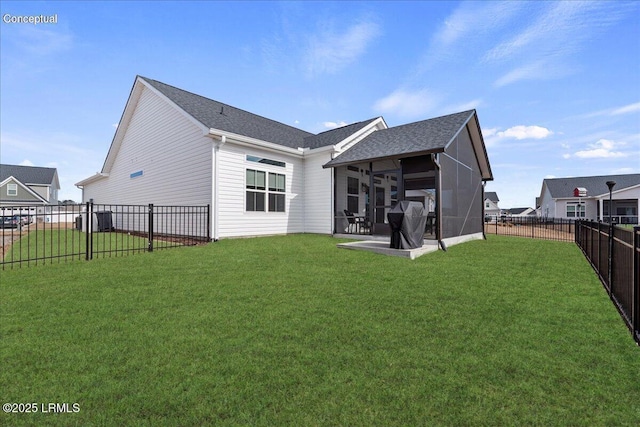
32,236
614,253
560,229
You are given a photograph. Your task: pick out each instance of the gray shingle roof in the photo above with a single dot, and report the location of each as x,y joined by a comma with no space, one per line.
517,211
28,174
334,136
491,195
425,136
595,185
216,115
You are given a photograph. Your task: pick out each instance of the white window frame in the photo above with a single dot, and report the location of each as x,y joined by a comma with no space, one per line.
575,212
255,189
12,190
269,207
276,191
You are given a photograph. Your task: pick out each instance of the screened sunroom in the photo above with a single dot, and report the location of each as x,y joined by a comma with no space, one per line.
441,163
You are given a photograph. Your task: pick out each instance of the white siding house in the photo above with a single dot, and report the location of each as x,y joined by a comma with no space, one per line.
559,198
28,190
259,176
162,158
491,208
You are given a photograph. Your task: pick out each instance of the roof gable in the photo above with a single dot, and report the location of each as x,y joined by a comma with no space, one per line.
427,136
518,211
595,185
29,191
217,115
30,174
209,114
491,195
335,136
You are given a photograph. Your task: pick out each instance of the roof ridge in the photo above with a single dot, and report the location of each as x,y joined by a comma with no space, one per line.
224,104
347,125
26,166
593,176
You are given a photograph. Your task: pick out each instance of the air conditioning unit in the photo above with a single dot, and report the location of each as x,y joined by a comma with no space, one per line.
81,222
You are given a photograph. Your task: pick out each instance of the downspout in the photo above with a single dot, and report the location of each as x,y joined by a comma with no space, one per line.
334,192
484,236
434,157
81,188
215,179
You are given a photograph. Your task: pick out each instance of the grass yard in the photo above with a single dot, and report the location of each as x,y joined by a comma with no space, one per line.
293,331
55,245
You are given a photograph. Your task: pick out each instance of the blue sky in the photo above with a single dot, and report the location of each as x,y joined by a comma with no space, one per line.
556,84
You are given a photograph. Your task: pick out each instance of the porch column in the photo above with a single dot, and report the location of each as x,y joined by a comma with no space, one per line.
601,202
372,201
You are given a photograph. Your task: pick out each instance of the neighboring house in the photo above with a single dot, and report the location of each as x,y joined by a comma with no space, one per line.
30,188
561,198
491,201
263,177
521,212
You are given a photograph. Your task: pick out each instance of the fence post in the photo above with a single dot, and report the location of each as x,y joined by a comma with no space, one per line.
635,299
89,231
150,232
209,223
610,263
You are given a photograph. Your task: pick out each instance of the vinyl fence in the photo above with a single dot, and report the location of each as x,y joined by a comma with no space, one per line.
614,253
92,231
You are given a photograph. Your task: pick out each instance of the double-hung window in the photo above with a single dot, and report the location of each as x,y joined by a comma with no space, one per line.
12,189
276,192
575,210
256,190
265,192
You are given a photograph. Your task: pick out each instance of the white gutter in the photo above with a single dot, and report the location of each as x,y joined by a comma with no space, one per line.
252,142
215,152
97,176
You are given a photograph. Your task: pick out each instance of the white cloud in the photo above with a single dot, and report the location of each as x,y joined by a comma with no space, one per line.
470,105
329,51
551,32
71,154
470,18
488,132
407,104
332,125
631,108
41,41
615,111
492,136
526,132
622,171
538,70
561,28
601,149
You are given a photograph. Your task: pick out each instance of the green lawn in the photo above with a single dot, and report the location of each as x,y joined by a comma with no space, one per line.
293,331
47,246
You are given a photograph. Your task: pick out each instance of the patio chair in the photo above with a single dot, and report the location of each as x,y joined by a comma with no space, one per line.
353,224
431,219
358,223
